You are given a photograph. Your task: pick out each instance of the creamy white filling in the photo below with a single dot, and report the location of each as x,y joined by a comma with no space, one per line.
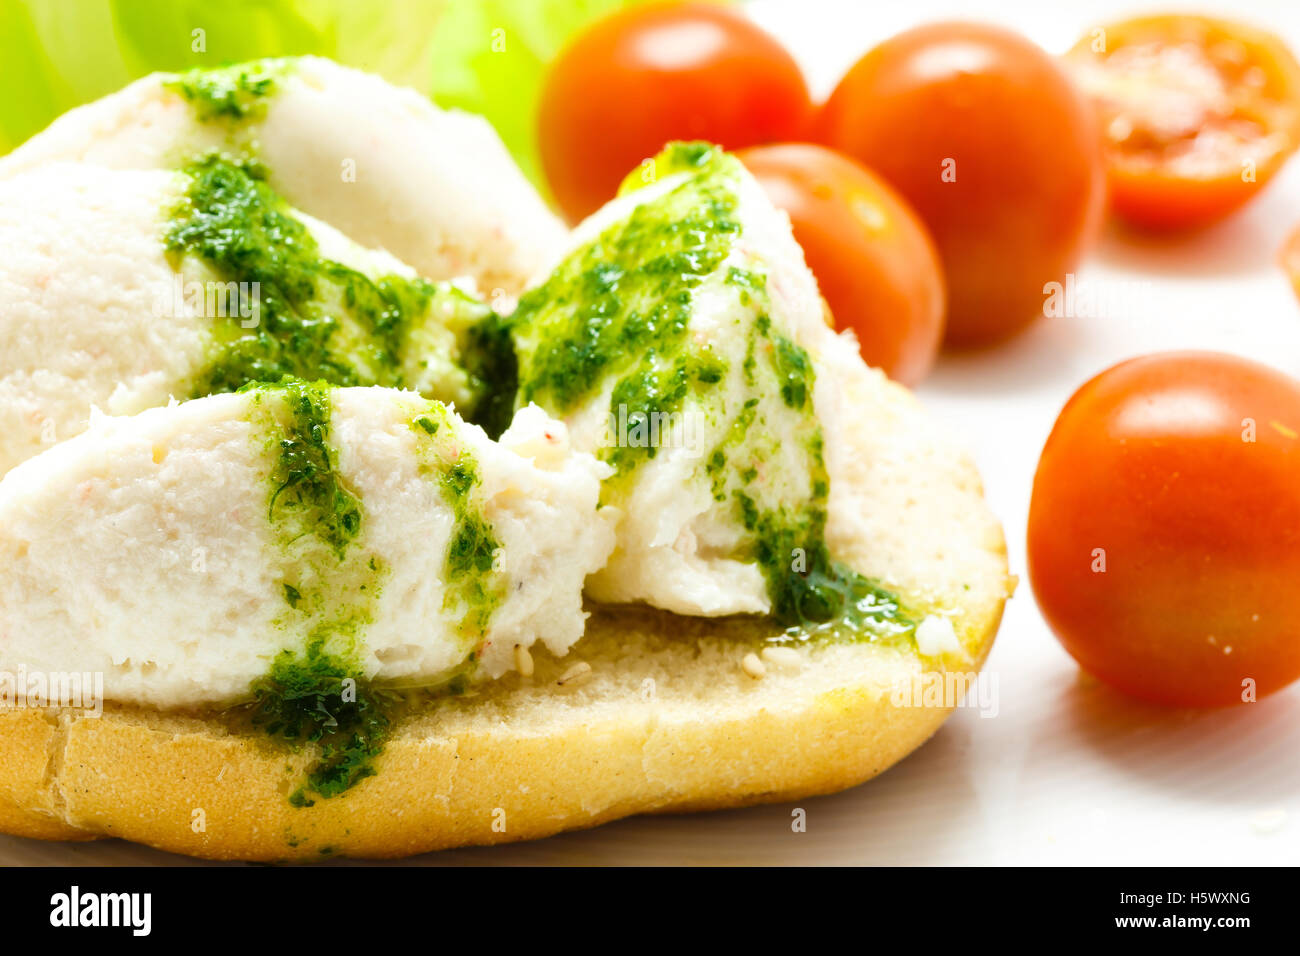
145,549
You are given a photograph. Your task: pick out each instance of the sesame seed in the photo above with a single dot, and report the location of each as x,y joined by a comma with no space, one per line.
753,666
782,656
523,661
575,674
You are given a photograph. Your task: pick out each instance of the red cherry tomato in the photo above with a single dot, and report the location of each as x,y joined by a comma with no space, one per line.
651,74
989,140
874,261
1164,528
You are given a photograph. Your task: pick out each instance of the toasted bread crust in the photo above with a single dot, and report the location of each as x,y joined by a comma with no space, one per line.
667,720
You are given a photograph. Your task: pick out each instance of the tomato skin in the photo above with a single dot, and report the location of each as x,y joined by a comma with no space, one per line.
988,107
1174,159
650,74
1159,202
875,263
1199,529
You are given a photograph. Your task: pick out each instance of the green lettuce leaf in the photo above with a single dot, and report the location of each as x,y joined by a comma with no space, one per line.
487,56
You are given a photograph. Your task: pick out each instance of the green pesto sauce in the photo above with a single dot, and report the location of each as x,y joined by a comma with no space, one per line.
718,465
317,694
310,697
810,592
493,373
794,372
654,389
304,479
230,92
621,306
473,585
309,317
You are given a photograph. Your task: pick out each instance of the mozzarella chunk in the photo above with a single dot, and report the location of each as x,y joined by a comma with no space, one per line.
98,312
182,551
434,187
683,339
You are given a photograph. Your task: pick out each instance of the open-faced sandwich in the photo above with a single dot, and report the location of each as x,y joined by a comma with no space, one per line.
353,506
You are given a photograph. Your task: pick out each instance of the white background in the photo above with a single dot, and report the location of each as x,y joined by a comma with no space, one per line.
1067,772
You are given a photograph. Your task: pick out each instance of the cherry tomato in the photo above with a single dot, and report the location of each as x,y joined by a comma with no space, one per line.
874,261
651,74
1197,114
1164,528
989,140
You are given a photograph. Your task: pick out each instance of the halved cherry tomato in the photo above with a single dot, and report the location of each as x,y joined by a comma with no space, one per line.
1197,114
874,261
996,149
655,73
1164,528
